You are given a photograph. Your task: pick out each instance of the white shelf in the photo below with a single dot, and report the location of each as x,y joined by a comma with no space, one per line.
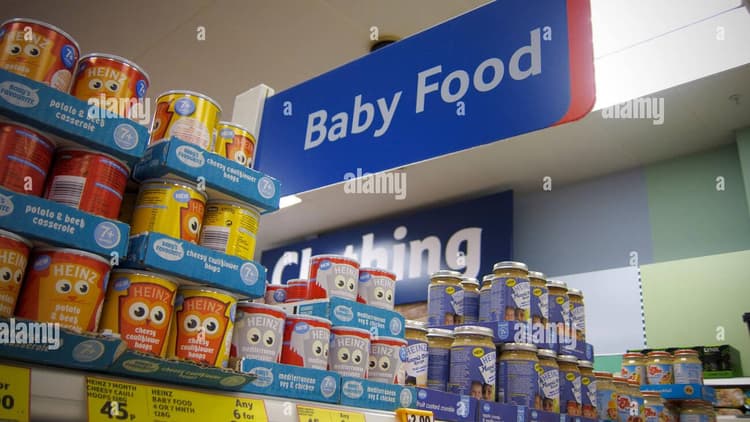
727,382
60,395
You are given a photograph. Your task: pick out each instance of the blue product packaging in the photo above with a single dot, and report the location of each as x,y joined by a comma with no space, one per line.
447,406
489,411
439,357
570,385
519,376
357,392
445,299
511,292
222,178
39,219
473,363
294,382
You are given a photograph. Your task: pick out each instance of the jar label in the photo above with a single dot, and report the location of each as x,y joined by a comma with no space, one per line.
659,373
688,373
414,367
472,371
485,303
549,388
588,397
634,372
471,307
445,304
653,412
578,318
510,299
539,307
559,309
623,407
570,393
606,404
438,365
519,382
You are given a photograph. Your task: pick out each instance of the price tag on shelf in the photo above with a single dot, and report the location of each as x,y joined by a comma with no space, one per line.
317,414
110,400
414,415
15,391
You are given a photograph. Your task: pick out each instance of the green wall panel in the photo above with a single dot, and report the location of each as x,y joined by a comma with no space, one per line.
608,363
689,216
690,302
743,148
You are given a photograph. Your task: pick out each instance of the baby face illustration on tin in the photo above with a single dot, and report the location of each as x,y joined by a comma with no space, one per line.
11,276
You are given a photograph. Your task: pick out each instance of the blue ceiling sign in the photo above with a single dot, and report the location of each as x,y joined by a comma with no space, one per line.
501,70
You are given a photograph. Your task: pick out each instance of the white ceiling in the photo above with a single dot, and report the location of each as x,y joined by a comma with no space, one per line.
283,42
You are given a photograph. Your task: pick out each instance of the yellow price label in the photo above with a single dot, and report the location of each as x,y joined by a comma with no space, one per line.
414,415
15,393
317,414
110,400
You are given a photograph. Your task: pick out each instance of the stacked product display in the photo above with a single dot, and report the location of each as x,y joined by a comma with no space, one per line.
519,340
677,377
341,319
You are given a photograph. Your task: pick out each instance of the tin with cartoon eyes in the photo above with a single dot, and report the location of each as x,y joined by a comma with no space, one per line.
171,207
139,306
333,275
258,332
235,143
306,341
14,255
65,286
386,354
114,83
377,287
202,326
38,51
350,351
186,115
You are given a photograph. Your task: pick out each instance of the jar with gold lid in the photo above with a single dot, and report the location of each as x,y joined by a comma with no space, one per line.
634,367
606,396
549,380
473,363
519,379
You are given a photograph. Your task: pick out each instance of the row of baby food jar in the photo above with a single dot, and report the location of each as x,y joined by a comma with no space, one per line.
661,367
621,400
46,54
338,276
466,360
511,293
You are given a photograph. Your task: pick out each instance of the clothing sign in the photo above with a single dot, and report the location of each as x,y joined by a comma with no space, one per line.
469,237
